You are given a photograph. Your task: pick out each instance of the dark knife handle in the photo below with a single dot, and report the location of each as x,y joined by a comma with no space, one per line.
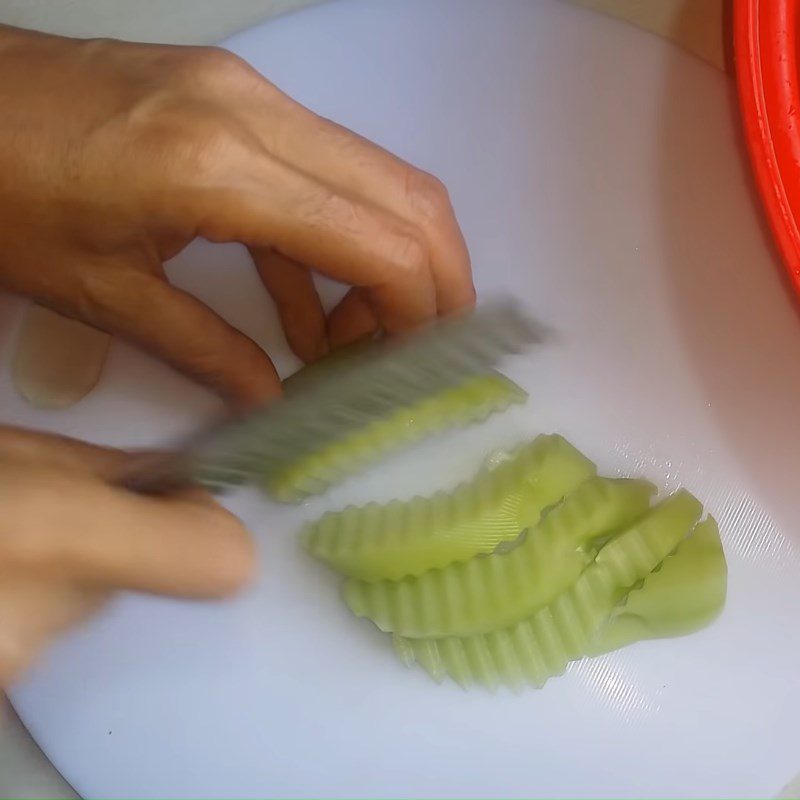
156,474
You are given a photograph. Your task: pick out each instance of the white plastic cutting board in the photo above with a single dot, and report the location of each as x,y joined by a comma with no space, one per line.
599,177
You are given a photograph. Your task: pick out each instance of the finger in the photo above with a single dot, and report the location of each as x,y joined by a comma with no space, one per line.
342,158
67,527
182,331
291,287
349,240
33,447
352,319
29,448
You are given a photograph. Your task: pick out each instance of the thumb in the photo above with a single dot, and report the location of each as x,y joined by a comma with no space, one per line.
179,329
26,447
76,528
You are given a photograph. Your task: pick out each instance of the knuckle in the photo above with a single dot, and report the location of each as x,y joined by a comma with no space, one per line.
427,196
109,297
403,245
97,294
230,364
337,211
410,253
96,46
207,365
216,64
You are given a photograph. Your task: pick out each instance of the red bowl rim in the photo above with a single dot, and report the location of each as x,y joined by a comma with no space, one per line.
765,51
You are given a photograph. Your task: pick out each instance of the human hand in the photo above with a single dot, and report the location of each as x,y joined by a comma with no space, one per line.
69,540
114,156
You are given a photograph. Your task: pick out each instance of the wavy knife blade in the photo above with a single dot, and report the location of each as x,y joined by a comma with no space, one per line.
330,399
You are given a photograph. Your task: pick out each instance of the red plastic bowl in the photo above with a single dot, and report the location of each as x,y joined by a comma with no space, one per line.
765,48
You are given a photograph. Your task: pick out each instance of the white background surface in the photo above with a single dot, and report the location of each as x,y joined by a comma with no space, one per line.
598,176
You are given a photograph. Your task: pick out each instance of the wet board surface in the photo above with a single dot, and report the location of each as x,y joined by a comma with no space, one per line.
599,176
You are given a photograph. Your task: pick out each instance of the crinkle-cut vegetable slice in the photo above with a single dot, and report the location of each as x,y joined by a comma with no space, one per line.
684,594
473,401
541,647
496,590
399,539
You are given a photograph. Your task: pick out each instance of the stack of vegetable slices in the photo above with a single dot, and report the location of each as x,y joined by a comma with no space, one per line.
534,563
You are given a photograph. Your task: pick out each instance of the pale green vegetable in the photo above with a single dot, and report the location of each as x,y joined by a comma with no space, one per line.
471,402
496,590
686,593
401,539
541,647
